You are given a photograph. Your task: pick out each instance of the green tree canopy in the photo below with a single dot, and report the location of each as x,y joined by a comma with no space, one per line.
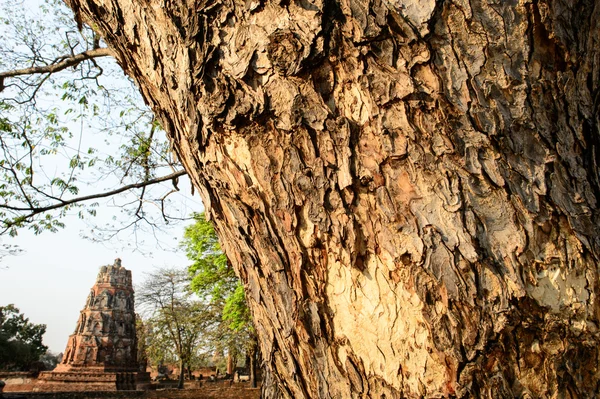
214,280
212,277
20,340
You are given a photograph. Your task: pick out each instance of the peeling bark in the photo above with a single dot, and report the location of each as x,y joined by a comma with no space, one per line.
407,189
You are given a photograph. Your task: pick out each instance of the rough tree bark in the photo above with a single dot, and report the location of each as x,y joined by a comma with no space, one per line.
253,355
408,189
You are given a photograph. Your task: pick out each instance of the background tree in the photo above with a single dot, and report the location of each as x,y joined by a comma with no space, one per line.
159,347
20,340
175,322
214,280
238,320
50,360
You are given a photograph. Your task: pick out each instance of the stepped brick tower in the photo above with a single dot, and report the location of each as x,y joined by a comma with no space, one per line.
101,354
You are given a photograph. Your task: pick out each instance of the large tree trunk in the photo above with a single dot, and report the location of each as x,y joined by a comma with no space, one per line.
408,189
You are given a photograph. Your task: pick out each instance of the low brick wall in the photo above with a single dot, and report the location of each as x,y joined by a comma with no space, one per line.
17,377
18,381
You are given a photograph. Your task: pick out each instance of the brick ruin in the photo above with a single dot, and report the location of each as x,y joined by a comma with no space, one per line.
101,354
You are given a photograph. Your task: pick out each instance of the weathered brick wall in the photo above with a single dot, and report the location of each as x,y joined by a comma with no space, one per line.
17,381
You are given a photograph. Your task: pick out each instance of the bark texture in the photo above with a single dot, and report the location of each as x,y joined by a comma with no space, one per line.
408,189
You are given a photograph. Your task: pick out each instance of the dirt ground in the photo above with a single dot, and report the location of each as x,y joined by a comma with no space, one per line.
206,393
216,391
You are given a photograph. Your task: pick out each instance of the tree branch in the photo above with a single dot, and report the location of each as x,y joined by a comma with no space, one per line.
35,210
58,66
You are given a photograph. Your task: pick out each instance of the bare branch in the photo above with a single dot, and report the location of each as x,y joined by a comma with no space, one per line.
58,66
37,210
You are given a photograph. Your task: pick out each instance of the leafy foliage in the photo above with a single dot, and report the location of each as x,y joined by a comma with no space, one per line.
73,128
158,346
236,312
214,280
212,277
20,340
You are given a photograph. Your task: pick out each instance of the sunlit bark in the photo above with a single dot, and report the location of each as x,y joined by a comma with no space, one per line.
408,189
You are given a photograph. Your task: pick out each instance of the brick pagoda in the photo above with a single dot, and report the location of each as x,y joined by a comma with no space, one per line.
102,352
